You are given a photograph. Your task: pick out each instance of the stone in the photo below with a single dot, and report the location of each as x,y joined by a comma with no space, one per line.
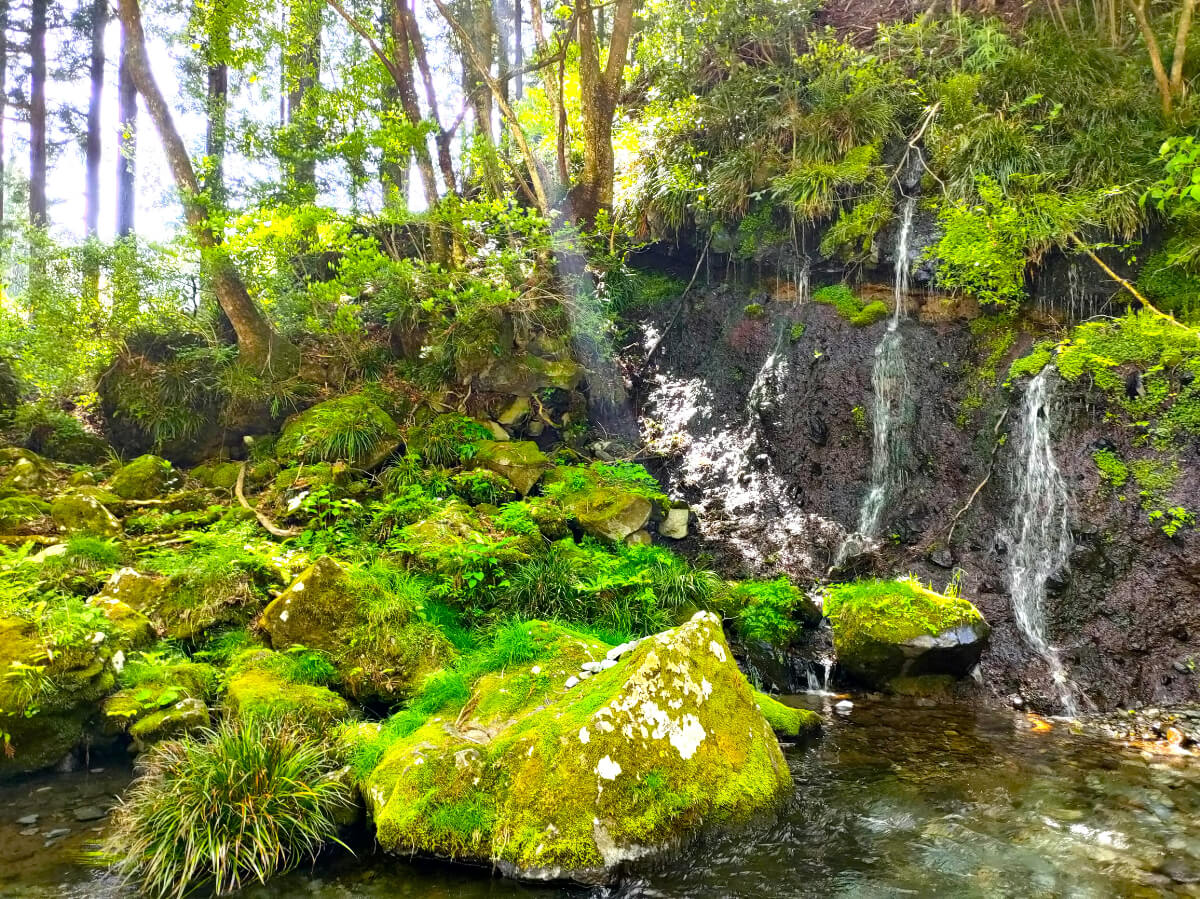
639,538
602,509
324,609
57,832
520,461
131,629
843,706
81,672
218,474
303,438
674,525
885,630
146,477
77,514
183,717
524,375
27,820
555,784
515,412
89,813
258,689
786,720
571,681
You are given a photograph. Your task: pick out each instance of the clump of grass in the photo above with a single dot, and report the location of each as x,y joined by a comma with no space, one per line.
350,428
231,806
448,440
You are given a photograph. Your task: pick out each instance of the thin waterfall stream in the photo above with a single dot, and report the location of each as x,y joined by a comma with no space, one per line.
1041,532
889,380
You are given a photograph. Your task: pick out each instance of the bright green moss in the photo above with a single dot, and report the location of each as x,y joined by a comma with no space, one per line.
787,720
146,477
1112,470
349,429
850,306
872,312
258,688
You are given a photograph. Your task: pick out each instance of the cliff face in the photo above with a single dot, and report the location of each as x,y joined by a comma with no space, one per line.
760,403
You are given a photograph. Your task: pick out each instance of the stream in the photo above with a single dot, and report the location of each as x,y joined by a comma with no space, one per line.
895,798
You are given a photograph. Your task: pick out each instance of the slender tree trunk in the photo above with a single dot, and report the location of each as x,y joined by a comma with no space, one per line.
3,103
442,136
126,143
260,348
216,135
303,64
1138,7
1181,41
599,91
94,146
519,48
38,210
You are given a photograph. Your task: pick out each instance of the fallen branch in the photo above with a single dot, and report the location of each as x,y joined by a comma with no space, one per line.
267,524
991,470
1133,290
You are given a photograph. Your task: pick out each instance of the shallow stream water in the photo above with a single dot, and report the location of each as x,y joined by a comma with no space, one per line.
894,799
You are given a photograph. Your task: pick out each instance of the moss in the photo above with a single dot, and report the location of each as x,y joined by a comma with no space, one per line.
482,486
18,512
217,474
257,690
1033,362
784,719
875,622
546,781
379,644
77,514
1113,471
849,306
519,461
607,501
349,429
754,310
146,477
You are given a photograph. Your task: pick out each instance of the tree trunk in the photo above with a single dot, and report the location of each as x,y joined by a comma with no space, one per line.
216,135
3,101
259,347
38,210
99,21
1138,7
519,48
303,64
126,143
599,91
442,136
1181,42
91,275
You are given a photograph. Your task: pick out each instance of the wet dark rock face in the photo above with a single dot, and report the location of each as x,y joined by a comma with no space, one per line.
764,423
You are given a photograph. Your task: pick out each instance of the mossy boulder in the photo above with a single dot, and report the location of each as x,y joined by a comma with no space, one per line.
786,720
48,694
325,609
145,594
76,513
26,472
146,477
519,461
349,429
884,630
551,771
259,687
602,510
172,702
218,474
130,628
525,374
20,513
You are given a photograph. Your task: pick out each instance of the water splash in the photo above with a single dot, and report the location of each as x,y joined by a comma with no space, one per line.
889,380
1041,533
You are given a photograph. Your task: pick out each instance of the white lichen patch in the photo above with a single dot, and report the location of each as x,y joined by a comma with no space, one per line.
283,616
607,769
298,587
717,649
584,735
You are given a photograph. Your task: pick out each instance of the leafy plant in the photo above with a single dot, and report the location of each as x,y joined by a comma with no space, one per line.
225,808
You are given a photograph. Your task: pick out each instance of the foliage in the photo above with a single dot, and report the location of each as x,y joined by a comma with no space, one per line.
226,808
350,429
1113,471
771,611
448,440
849,306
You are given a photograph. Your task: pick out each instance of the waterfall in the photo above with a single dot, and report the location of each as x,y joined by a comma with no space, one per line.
889,380
1041,535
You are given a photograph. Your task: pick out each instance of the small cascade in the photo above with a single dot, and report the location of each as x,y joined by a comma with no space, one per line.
1041,534
803,281
889,379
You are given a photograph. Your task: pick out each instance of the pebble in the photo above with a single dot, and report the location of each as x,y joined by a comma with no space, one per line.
591,667
608,663
617,651
844,706
89,813
571,681
28,819
29,832
57,832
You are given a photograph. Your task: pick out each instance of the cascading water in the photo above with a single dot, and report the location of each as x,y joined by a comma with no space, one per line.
889,379
1040,531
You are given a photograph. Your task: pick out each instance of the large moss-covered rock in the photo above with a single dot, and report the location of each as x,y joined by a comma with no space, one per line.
25,472
525,374
785,719
48,693
883,630
172,702
146,477
349,429
20,513
218,474
130,628
602,510
75,513
259,688
520,461
553,771
325,609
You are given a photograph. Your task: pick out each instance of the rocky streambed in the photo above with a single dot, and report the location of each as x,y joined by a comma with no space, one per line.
897,797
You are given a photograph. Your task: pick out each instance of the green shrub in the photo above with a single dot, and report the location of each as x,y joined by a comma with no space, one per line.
448,440
350,428
850,306
771,611
1112,470
234,805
